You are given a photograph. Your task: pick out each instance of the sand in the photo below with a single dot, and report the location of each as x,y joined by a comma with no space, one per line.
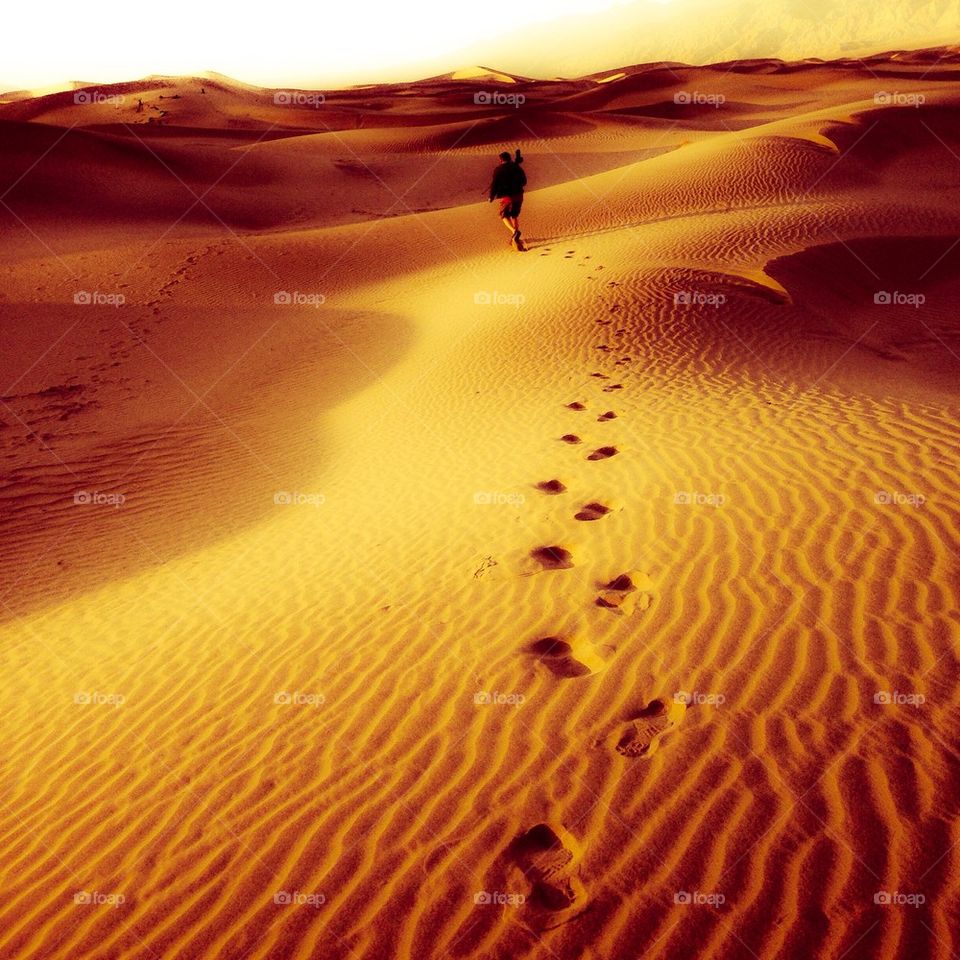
599,601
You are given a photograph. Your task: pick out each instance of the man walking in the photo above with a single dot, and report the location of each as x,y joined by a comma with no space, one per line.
507,187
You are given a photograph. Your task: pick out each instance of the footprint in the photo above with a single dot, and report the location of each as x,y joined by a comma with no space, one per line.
550,858
566,658
613,386
576,405
642,738
609,415
552,487
553,557
571,438
592,511
603,453
627,592
601,376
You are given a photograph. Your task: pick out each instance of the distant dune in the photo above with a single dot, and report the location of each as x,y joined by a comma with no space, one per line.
372,590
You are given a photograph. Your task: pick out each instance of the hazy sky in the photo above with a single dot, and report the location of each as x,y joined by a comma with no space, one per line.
322,43
268,43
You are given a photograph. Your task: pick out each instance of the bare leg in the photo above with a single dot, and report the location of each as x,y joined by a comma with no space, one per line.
510,223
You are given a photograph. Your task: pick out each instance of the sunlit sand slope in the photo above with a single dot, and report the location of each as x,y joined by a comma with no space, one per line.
598,602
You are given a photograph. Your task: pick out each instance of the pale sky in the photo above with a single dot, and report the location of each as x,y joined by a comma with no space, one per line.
322,44
263,43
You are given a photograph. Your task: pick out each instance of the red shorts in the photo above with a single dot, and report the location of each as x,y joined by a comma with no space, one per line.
510,206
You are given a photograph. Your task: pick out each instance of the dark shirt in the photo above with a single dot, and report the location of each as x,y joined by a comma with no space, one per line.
508,180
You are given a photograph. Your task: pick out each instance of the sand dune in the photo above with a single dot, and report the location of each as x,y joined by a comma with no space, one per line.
374,591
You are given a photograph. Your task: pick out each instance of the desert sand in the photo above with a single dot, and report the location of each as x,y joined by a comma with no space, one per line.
371,590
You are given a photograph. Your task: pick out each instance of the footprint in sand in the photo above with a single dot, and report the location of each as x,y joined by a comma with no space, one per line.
551,487
659,717
600,376
613,386
592,511
603,453
576,405
627,592
609,415
550,859
571,438
553,557
566,657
